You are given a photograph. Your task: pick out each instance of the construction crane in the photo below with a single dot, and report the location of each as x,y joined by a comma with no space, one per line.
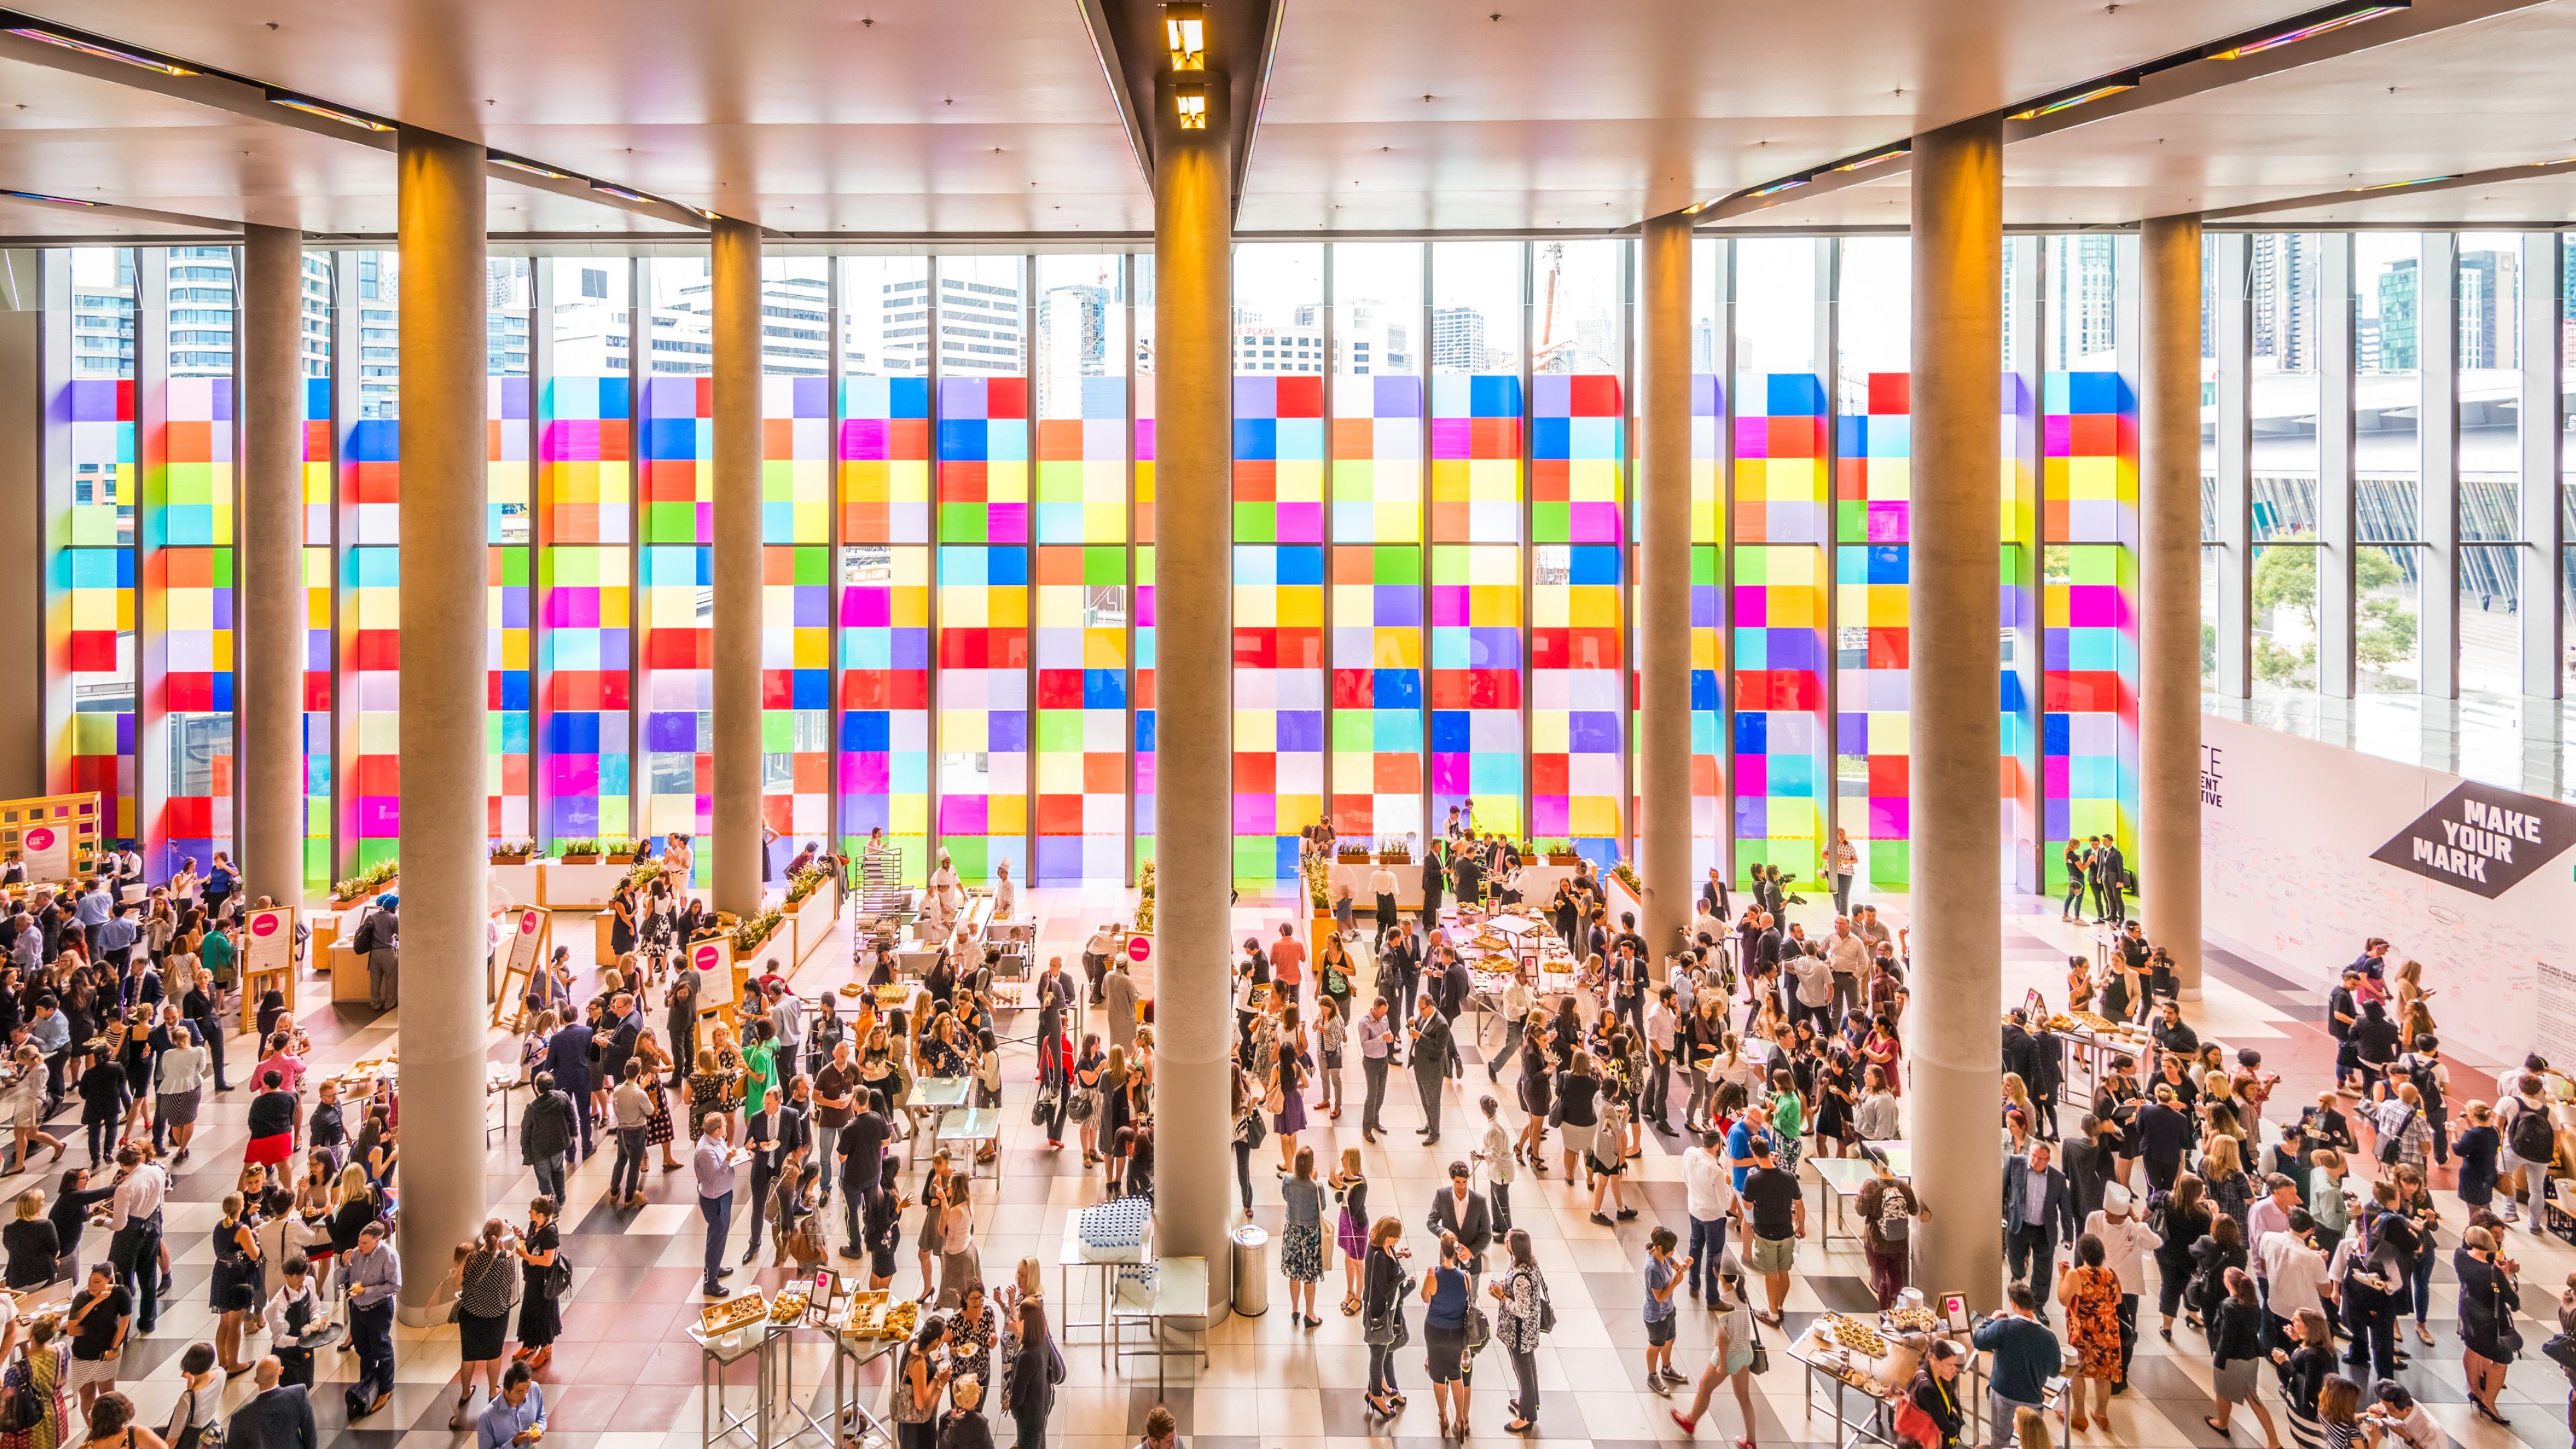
1547,345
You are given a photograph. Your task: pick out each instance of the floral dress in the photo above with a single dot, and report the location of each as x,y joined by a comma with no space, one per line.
2093,1321
657,1127
39,1374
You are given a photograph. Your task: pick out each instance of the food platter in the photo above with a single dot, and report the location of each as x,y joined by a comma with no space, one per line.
1855,1335
740,1311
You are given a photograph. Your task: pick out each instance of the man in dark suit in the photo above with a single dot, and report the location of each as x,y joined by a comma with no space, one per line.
2110,877
1401,959
277,1416
1431,1049
2037,1211
568,1057
1464,1213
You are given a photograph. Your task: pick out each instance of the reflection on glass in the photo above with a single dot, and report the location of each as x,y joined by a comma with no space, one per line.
1279,309
2285,618
1377,308
2281,279
2490,621
2387,385
1475,307
2490,360
1577,321
2386,615
2212,560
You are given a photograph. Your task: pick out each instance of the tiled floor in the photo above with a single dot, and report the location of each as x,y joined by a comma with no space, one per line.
624,1378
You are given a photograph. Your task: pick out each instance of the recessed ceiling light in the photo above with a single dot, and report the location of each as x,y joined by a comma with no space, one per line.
99,49
295,102
2309,31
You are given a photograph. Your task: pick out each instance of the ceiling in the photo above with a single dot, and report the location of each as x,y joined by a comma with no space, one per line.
891,118
2486,94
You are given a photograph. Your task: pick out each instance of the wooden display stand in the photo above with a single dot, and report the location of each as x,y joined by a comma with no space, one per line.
267,960
73,816
810,920
526,943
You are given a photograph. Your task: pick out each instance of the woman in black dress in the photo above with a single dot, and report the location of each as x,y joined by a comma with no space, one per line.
482,1315
540,1312
1832,1092
1537,1092
233,1291
31,1243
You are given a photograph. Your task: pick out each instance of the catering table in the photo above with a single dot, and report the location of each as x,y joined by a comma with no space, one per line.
1408,886
974,1129
935,1097
1179,1290
1101,1265
1842,1177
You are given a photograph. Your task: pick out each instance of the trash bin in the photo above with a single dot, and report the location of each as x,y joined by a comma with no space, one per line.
1251,1270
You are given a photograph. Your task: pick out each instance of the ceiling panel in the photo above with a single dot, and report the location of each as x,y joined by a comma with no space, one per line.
1540,116
2484,94
911,114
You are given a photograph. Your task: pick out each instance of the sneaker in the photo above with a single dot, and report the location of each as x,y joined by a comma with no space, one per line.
1661,1387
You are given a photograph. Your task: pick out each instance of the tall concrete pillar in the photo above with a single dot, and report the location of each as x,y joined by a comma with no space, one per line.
1193,680
1663,582
2168,863
1956,740
272,563
443,693
737,566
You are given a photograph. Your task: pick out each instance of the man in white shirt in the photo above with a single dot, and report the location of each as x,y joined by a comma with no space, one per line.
2296,1273
1382,886
2270,1214
1657,1107
1517,1001
1815,979
1095,959
1849,955
1377,1043
1710,1196
135,1247
2126,1242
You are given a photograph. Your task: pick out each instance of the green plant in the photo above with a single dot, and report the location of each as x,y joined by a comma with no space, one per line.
616,845
578,845
365,881
514,848
1145,898
1626,875
643,875
805,882
1319,887
752,934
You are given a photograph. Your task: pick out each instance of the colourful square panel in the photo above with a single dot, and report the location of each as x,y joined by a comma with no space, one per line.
1377,683
885,699
1577,676
984,707
1477,679
885,460
1082,462
1476,460
983,460
1377,459
676,733
1577,444
2088,702
1278,460
1780,453
1779,747
586,593
1278,702
1080,648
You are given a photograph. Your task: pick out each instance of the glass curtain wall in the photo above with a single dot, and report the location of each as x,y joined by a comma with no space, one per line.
1430,504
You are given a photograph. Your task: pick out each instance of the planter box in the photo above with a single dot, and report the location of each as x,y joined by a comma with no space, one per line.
572,885
810,920
1563,858
778,953
1394,858
577,859
391,883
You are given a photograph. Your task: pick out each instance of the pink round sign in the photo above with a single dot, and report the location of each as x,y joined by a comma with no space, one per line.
707,958
1139,947
39,838
527,923
264,924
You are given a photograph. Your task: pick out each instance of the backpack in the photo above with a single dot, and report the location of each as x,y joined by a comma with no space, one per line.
364,940
1895,1221
2531,1137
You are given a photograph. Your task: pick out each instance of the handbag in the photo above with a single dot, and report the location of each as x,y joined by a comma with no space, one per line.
1082,1106
2560,1349
2389,1149
1914,1425
1761,1354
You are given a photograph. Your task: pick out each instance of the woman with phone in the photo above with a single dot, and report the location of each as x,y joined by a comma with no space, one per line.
917,1389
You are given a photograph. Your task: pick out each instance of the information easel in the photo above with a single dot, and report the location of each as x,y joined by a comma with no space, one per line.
523,954
267,959
56,835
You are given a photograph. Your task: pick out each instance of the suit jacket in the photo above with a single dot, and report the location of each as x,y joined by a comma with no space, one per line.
2108,865
795,1129
281,1418
568,1057
1474,1228
1431,1049
2057,1211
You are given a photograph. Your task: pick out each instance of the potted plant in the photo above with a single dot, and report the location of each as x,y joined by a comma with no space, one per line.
1626,875
749,936
514,852
1561,852
580,850
371,881
617,850
1145,899
1394,852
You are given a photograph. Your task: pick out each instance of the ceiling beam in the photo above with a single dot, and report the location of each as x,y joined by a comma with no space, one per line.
256,100
2371,195
1242,38
2164,82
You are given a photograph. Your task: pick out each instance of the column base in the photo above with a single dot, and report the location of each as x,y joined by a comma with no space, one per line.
426,1315
2188,993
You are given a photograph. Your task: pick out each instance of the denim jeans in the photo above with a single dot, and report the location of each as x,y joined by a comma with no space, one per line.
718,1212
1707,1248
371,1330
1999,1421
550,1176
1382,1367
626,1177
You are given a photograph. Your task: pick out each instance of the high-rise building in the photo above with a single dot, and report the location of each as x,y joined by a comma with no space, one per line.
1372,337
1265,349
2082,280
2282,287
2398,302
2487,321
1457,339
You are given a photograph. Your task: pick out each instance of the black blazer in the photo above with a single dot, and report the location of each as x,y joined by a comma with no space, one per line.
281,1418
1474,1228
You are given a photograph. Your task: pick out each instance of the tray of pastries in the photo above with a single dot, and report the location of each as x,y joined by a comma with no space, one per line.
741,1311
1913,1320
1855,1335
789,1306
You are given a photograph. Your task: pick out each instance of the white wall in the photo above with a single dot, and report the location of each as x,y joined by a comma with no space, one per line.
2288,827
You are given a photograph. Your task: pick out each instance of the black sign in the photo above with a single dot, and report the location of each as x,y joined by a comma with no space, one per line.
2482,839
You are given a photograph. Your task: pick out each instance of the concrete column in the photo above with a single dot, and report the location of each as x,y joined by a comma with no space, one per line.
1663,582
440,200
2169,587
1956,738
272,564
1194,1198
737,566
